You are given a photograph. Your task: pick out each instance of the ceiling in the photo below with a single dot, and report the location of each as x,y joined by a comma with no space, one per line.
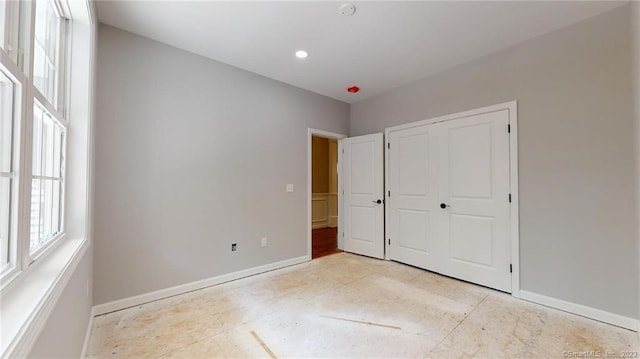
382,46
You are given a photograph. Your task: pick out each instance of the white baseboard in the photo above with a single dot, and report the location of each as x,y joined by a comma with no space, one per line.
188,287
87,335
582,310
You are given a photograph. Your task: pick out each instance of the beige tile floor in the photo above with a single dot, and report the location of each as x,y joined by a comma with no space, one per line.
346,305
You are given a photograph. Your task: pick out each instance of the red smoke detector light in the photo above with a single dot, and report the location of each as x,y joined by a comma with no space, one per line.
353,89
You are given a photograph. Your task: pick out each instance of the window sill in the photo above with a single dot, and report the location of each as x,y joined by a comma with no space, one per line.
26,304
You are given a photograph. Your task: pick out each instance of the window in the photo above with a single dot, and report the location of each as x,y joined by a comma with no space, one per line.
47,181
47,157
3,24
34,97
7,89
47,50
31,197
9,28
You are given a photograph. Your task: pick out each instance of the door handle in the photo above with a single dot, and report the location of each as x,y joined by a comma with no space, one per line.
444,205
378,201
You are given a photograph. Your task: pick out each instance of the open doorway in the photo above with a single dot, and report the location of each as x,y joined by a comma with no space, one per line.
324,196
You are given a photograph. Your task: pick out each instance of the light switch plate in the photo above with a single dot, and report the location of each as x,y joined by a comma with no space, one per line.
290,187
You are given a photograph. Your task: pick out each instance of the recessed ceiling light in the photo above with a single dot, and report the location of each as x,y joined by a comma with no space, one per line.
301,54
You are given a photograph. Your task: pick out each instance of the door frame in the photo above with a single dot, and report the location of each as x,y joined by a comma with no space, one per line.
514,230
335,136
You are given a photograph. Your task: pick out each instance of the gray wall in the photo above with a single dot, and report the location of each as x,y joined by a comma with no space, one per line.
191,156
64,333
576,147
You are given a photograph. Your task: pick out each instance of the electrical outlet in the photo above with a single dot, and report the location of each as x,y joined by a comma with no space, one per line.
264,241
234,247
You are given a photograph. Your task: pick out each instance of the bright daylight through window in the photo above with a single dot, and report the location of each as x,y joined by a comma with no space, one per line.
3,30
47,183
47,50
6,168
29,223
37,255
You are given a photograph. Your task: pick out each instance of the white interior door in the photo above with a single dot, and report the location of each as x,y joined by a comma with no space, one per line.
474,191
413,222
449,198
363,177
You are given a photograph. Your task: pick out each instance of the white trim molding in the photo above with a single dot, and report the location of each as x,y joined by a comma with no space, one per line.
514,192
333,209
581,310
319,210
189,287
87,335
324,208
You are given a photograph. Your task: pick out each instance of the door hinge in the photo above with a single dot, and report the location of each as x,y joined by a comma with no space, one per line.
343,151
389,193
509,197
389,241
388,145
510,268
509,128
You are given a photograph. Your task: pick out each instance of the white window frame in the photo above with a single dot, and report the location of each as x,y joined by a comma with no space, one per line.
10,41
14,74
59,116
18,61
32,256
28,296
61,57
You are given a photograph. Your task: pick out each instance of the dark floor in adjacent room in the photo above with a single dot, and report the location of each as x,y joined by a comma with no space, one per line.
324,242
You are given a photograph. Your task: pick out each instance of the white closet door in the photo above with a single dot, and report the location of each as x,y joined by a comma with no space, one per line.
414,215
474,191
449,202
363,181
